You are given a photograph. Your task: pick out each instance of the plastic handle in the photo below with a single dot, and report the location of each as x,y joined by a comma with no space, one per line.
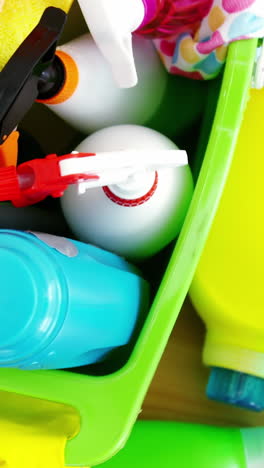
111,23
116,167
19,79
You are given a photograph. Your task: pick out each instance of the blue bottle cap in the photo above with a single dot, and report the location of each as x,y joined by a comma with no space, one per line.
31,306
236,388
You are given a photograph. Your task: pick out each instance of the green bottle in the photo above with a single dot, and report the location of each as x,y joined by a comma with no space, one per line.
163,444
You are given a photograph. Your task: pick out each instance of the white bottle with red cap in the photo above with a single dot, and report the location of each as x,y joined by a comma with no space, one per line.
140,199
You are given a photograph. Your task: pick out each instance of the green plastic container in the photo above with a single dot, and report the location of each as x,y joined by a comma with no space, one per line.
156,444
109,404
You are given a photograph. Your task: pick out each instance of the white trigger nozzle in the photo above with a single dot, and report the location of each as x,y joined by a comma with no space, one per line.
114,167
111,24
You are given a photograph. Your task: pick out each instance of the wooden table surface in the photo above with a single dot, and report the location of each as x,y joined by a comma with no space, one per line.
177,391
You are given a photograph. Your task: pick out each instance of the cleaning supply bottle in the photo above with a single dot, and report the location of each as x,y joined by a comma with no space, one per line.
227,289
140,203
86,96
170,444
112,23
52,309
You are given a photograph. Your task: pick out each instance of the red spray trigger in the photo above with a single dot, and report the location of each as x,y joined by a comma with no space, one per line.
33,181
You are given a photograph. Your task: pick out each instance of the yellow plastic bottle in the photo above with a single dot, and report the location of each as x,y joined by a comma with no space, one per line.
228,289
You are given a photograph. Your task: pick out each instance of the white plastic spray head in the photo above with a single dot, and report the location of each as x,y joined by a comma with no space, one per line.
111,23
120,167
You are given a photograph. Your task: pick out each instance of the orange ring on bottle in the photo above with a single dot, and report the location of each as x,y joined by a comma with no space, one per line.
70,82
9,150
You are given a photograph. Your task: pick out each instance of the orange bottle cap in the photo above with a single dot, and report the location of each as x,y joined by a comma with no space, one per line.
70,83
9,150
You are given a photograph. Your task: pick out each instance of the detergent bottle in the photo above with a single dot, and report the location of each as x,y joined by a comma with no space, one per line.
227,289
138,204
171,444
112,23
64,303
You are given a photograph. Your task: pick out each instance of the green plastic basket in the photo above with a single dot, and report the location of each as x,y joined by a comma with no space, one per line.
109,404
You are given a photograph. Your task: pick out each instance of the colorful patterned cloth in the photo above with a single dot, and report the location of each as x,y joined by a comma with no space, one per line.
201,54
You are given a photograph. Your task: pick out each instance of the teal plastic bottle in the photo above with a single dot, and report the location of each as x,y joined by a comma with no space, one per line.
155,444
64,303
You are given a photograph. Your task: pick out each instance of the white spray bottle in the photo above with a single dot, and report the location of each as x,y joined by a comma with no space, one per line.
132,86
138,204
90,99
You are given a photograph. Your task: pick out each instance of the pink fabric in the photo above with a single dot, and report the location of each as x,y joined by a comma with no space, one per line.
198,50
233,6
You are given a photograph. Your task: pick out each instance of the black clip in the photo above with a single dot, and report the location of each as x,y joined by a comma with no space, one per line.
22,77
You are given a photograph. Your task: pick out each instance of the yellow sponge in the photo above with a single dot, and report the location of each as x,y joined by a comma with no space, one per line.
18,18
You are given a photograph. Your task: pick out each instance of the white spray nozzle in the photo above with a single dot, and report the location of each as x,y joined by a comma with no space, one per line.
115,167
111,23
